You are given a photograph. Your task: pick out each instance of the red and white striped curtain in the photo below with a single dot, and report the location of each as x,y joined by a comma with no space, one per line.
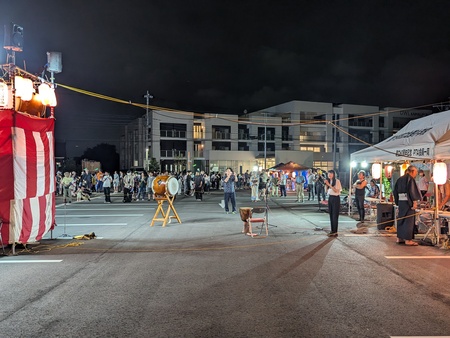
29,163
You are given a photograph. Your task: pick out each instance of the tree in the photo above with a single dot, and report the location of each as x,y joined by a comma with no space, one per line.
153,165
106,154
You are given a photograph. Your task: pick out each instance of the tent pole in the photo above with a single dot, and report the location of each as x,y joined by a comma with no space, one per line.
349,198
437,228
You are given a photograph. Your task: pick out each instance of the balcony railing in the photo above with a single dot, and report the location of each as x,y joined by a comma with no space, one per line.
173,133
173,153
313,138
198,153
269,137
221,135
244,136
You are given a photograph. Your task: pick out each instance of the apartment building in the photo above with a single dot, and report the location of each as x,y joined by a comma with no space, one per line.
316,134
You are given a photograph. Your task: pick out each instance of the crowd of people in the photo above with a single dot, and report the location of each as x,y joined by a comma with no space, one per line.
137,186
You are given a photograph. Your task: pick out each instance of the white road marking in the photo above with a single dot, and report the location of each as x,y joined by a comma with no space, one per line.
108,215
6,261
106,209
88,224
417,257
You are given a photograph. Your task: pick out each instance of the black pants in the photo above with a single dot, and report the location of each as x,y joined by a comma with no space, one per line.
127,194
334,204
359,200
107,191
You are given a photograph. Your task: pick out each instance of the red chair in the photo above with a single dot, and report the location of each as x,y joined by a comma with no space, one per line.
258,215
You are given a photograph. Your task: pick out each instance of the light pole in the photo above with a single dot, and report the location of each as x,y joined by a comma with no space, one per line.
265,139
147,96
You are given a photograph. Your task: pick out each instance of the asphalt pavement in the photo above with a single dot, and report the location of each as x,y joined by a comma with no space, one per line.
204,278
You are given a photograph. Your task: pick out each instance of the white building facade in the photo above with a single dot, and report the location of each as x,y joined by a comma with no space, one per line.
315,134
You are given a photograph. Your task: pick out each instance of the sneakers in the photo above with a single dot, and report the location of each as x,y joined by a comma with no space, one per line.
234,212
332,234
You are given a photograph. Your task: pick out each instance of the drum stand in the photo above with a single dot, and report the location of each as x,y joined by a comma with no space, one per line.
165,214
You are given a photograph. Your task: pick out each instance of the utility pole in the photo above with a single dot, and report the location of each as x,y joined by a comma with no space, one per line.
147,96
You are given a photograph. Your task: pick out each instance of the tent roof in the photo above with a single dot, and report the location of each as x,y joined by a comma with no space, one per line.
292,166
421,139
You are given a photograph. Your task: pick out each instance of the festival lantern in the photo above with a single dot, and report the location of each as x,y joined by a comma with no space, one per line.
47,95
24,88
376,171
403,168
388,171
440,173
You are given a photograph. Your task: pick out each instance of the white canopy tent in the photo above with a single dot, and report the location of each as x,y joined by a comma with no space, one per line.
426,138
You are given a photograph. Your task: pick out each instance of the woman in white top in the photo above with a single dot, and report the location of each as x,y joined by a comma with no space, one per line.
334,201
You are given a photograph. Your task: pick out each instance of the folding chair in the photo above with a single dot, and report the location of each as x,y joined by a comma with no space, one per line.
262,219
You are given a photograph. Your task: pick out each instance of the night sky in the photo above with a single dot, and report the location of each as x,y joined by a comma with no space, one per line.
230,56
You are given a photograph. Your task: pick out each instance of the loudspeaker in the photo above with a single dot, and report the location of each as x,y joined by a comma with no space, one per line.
13,39
54,62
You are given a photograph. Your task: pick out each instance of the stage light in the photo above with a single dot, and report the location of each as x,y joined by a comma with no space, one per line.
440,172
376,171
353,164
363,164
255,168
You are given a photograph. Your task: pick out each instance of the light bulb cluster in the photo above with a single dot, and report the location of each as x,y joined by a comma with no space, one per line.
25,90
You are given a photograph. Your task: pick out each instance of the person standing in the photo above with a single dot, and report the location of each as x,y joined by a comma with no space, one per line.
106,183
188,184
360,192
311,185
407,196
66,183
128,182
228,182
199,186
283,181
334,201
423,184
150,179
116,181
299,186
254,183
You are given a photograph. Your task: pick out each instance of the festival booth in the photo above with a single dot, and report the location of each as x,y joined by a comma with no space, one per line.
27,184
426,139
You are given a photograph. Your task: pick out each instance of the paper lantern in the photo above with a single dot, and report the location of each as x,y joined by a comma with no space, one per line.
47,95
376,171
388,171
24,88
440,173
403,168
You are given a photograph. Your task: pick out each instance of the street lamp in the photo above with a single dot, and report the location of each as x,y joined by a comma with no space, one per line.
148,140
265,139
